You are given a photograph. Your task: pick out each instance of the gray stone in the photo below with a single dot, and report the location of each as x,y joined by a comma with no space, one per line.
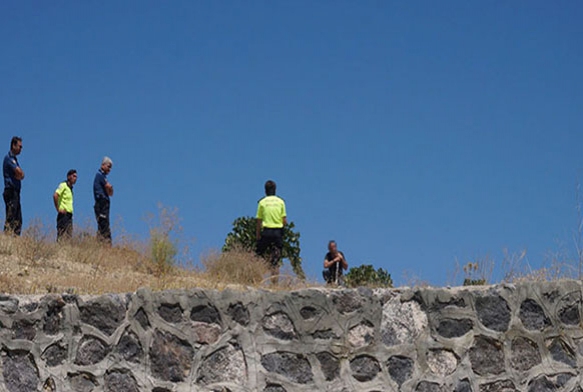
364,368
524,354
426,386
295,367
224,365
129,348
361,335
549,383
19,371
347,301
486,356
442,362
533,316
239,313
171,313
49,385
499,386
8,304
325,334
493,312
309,312
205,314
562,352
330,365
53,317
160,389
82,382
463,386
120,381
91,350
401,322
279,325
29,307
453,328
170,357
570,315
274,388
142,318
400,368
55,354
24,329
104,313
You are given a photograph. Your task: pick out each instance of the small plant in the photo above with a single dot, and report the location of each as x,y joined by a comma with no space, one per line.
366,275
243,237
163,244
479,272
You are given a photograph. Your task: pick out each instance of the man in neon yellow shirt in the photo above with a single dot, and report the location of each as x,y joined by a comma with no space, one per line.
63,199
271,218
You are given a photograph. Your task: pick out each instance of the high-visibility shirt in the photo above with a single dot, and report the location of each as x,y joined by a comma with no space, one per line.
271,211
65,197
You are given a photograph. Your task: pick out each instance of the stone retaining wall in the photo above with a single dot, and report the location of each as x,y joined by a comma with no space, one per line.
505,338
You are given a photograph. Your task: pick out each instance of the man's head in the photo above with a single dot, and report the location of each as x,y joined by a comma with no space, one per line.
16,145
332,247
270,188
72,176
106,165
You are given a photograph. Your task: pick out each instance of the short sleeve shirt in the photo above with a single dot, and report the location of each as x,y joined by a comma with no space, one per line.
9,168
65,197
271,211
99,191
332,268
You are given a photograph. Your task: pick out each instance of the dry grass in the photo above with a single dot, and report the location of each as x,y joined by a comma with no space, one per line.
35,264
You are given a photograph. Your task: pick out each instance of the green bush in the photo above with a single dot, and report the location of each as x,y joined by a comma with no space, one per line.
243,236
366,275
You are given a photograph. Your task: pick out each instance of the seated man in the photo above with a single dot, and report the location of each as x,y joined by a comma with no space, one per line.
334,258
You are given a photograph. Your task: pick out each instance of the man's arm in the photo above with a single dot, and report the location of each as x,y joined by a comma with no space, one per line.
330,263
108,188
285,220
18,173
56,201
343,261
258,229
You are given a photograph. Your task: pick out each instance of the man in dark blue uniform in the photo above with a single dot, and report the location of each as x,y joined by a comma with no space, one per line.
102,191
13,175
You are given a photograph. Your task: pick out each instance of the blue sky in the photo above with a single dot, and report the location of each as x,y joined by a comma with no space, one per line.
413,133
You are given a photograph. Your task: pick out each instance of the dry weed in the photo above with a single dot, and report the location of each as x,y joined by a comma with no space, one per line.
236,266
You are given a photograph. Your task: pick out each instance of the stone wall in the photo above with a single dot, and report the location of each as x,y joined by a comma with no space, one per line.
504,338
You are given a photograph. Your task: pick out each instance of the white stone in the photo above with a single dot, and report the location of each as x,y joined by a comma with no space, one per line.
361,335
402,323
441,362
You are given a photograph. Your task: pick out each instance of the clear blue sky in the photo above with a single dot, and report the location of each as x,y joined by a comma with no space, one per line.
413,133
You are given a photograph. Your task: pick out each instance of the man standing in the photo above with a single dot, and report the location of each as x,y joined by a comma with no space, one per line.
271,218
63,199
334,264
102,191
13,175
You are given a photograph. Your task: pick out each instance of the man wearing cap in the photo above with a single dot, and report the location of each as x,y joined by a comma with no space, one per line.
102,191
63,199
13,175
271,218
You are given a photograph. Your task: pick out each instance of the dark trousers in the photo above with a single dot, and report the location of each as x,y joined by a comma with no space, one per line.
102,216
13,223
64,226
271,239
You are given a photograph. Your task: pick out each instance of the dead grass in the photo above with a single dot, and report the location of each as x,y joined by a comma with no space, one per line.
35,264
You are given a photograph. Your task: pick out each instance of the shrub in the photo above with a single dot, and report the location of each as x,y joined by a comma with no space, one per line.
243,236
366,275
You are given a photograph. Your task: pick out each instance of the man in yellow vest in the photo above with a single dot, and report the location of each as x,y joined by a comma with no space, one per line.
271,218
63,199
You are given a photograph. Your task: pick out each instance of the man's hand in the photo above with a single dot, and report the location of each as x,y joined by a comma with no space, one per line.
109,189
19,174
